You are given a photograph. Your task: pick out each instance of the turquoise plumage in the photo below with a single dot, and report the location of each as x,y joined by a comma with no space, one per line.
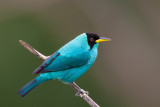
68,63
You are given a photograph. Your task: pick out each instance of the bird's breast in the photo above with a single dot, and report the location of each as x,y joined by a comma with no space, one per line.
93,54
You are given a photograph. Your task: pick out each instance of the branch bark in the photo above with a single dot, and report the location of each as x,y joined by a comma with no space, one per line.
83,94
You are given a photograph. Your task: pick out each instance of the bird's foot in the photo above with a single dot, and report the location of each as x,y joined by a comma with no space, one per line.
81,92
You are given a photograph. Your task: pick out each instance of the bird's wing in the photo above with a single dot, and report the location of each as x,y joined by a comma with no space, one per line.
58,62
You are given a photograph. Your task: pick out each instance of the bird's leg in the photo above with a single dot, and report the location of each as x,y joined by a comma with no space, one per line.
80,92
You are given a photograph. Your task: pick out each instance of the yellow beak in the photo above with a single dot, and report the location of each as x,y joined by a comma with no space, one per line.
102,39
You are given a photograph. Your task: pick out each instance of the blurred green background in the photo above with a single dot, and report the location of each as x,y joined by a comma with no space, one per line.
126,72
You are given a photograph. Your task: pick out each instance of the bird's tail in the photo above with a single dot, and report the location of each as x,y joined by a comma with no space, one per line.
29,86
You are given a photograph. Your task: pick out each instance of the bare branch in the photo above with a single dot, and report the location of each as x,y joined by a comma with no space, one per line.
33,51
81,93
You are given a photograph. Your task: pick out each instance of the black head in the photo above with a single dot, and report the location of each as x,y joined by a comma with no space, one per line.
92,37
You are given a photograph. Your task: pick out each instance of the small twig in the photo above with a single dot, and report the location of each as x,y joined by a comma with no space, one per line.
73,85
33,51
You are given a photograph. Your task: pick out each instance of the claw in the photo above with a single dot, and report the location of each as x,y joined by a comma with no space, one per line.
81,92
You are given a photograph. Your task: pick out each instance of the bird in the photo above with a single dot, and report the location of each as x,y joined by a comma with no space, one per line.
68,63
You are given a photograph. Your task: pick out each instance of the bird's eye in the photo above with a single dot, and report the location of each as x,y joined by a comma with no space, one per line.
91,39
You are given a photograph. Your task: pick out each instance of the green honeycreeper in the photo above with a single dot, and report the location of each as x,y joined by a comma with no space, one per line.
68,63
